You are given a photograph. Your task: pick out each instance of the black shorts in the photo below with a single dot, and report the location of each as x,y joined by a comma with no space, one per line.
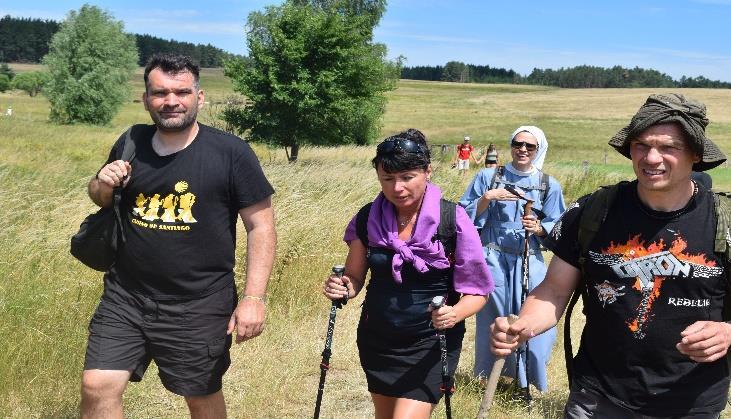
186,339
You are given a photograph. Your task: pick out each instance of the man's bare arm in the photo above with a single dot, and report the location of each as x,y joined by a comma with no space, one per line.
248,318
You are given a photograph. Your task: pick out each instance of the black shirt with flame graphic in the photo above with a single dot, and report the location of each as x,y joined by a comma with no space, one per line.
649,275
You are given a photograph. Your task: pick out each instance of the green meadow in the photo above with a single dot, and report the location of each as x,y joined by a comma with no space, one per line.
47,297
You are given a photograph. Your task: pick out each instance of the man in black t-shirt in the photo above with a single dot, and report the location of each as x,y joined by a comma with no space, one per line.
170,296
654,343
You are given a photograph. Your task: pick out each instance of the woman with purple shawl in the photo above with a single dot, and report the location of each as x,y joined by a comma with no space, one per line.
397,341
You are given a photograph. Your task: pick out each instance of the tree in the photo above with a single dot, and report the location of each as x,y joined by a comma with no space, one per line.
31,82
90,62
4,82
6,70
314,76
455,71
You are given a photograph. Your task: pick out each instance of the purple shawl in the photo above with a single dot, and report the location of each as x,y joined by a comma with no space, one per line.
419,250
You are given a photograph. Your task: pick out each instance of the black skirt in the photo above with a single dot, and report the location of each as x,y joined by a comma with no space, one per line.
398,347
407,367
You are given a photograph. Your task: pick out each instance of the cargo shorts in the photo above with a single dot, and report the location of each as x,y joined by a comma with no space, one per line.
186,338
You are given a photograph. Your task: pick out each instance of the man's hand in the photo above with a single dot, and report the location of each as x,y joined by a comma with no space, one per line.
114,174
506,338
705,341
247,319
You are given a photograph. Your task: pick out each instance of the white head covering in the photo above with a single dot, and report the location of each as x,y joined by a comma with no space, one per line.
542,143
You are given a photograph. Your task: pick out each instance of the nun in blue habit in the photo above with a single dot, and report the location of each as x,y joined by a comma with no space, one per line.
498,215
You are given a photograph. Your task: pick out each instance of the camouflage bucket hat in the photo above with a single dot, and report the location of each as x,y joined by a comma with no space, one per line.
667,108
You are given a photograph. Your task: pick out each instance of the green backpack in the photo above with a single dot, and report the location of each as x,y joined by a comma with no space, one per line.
595,211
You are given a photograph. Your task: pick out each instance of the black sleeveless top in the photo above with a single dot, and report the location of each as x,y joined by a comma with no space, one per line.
395,310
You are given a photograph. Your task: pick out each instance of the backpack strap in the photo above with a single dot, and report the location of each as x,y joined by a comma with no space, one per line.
499,172
128,154
596,208
447,229
128,150
722,249
722,207
361,223
545,181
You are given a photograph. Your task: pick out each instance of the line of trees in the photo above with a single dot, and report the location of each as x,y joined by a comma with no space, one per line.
462,73
26,40
583,76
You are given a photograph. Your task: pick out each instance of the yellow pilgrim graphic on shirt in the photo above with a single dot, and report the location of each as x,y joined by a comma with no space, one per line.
173,208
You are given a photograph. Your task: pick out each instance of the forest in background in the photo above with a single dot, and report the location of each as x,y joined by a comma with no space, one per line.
25,40
584,76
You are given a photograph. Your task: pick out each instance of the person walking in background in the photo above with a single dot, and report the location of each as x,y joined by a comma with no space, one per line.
498,215
463,156
653,277
397,237
490,158
170,296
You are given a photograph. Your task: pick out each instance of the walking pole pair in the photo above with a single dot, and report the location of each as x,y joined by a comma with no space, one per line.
325,364
446,388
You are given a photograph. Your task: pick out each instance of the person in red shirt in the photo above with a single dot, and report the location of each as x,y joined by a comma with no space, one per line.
464,154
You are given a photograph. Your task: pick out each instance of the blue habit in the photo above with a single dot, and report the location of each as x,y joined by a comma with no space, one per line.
502,238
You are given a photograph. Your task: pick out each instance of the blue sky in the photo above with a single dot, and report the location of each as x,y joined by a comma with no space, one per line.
677,37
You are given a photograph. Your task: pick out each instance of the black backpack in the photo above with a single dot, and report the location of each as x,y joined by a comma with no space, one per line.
595,211
101,233
446,231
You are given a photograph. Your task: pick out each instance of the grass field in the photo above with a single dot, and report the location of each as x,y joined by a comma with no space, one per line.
47,298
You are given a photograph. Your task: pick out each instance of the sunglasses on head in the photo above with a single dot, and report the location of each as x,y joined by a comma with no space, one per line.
519,144
392,144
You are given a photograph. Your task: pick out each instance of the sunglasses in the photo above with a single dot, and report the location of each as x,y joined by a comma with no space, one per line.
391,144
519,144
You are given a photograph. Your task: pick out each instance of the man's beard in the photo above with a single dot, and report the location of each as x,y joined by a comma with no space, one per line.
175,124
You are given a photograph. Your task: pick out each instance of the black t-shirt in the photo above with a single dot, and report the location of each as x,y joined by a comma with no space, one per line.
180,213
649,275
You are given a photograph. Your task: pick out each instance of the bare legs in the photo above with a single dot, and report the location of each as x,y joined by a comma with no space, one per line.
101,397
400,408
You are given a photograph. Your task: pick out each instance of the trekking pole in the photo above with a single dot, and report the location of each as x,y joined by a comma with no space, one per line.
525,285
497,368
325,364
524,294
437,302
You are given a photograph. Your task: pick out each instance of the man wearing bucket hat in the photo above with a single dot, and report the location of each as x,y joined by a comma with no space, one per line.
648,258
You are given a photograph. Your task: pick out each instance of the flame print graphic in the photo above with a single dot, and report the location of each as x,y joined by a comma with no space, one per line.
635,248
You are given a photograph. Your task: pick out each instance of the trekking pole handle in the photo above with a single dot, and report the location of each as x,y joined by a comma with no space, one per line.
527,208
339,270
497,368
437,302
